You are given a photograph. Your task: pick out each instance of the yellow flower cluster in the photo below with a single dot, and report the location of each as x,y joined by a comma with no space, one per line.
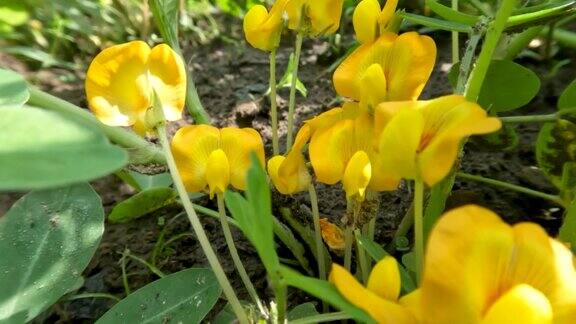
478,269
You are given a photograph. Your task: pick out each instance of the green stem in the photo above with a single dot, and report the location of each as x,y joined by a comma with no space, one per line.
199,231
362,260
455,39
322,318
348,247
468,57
150,267
280,290
292,100
553,198
140,150
317,232
273,104
125,282
419,227
530,119
490,43
234,253
94,295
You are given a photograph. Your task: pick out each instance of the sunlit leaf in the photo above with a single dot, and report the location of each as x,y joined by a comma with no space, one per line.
13,89
141,204
286,81
568,98
47,239
41,149
146,181
182,297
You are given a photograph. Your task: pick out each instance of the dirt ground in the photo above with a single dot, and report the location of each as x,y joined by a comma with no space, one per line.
231,79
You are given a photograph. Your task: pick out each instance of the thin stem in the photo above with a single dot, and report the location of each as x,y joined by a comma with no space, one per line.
152,268
530,119
322,318
273,104
348,247
234,253
199,230
467,59
490,43
455,39
140,150
280,290
317,232
124,276
94,295
362,260
553,198
292,101
419,227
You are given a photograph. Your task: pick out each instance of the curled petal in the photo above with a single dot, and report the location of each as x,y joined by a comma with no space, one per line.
373,86
263,29
357,175
238,144
324,16
387,13
117,85
289,176
521,305
217,172
329,151
384,279
365,20
168,80
192,147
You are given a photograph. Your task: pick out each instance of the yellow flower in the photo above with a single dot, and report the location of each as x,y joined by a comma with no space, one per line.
210,159
478,269
369,21
319,16
380,297
420,139
392,68
332,235
263,29
122,80
289,174
342,148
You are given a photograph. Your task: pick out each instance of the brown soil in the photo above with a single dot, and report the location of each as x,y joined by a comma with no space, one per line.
231,79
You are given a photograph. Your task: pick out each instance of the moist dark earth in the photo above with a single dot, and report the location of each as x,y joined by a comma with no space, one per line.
231,79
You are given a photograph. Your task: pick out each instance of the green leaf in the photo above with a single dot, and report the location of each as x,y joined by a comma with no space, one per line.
568,98
504,140
226,316
47,239
165,13
377,253
301,311
451,14
41,149
285,234
435,23
555,147
507,86
13,12
13,89
324,291
182,297
141,204
286,81
145,181
567,232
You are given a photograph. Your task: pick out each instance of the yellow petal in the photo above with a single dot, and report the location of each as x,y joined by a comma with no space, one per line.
380,309
387,13
399,144
357,175
294,9
263,29
373,87
324,16
412,302
384,279
217,172
117,85
410,64
563,299
328,151
347,76
168,79
289,175
192,146
238,144
521,305
365,21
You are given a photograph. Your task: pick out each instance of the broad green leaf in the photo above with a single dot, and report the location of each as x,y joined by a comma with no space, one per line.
146,181
568,98
507,86
13,89
182,297
301,311
46,240
324,291
286,81
556,146
41,149
567,232
141,204
377,253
